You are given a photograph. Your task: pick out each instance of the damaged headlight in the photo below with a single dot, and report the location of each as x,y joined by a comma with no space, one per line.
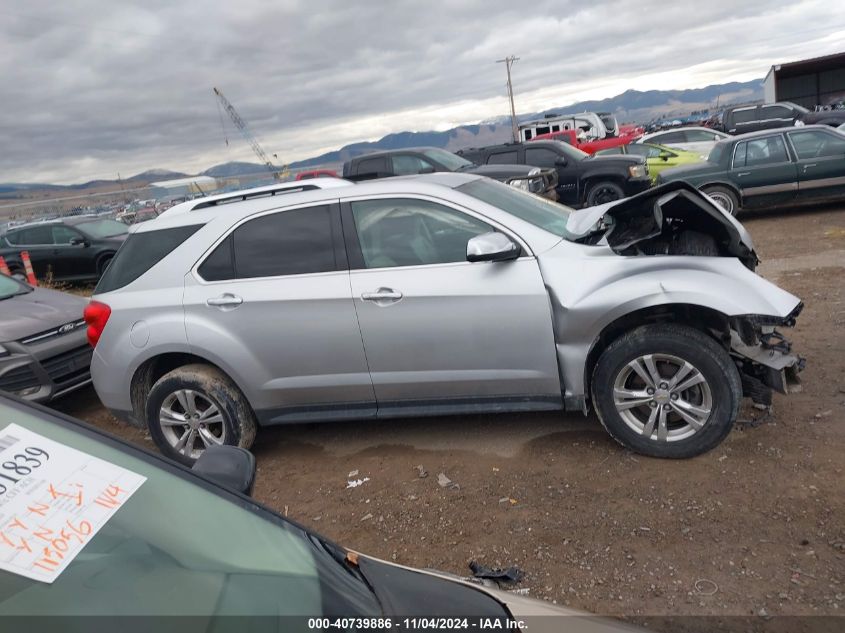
637,171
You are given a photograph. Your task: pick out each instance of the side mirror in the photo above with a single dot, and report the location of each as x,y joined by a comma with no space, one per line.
229,466
77,241
492,247
664,156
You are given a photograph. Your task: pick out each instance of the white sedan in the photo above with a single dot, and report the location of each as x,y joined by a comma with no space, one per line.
693,139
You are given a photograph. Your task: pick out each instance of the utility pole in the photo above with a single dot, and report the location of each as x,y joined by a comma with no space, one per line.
508,61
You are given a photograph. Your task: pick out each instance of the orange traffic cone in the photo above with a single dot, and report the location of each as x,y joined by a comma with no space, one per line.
4,268
27,266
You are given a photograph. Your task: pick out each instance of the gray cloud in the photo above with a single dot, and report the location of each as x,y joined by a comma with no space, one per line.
91,87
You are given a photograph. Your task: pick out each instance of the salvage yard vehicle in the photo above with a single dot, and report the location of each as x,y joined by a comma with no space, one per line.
583,180
43,350
444,293
692,139
109,554
572,137
657,157
784,166
76,248
767,116
429,160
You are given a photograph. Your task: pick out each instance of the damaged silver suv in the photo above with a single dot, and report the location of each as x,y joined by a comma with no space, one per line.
437,294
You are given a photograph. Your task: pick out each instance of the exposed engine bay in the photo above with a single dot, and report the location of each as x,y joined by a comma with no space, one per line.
675,219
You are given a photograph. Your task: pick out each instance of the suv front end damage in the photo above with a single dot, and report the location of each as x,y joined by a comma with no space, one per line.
764,356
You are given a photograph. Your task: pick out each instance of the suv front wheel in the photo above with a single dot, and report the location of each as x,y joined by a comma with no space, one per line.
194,407
667,391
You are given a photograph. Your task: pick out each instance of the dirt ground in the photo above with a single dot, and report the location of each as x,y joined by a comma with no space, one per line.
755,527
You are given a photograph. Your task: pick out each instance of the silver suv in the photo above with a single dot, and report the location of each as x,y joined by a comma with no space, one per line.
437,294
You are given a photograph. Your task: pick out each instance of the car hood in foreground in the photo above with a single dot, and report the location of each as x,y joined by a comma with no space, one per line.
425,593
661,214
36,311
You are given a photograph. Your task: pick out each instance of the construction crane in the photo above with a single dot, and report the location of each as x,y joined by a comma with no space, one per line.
277,172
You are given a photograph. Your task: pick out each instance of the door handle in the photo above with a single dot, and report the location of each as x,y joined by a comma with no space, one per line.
382,294
806,167
226,300
744,173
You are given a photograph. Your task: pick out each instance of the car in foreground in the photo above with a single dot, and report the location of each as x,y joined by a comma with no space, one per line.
582,180
77,248
692,139
657,157
429,160
43,349
85,546
437,294
783,166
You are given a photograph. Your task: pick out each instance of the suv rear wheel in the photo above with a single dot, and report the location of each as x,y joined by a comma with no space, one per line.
194,407
667,391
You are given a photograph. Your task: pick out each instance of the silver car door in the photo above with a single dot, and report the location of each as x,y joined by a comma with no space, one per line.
272,302
441,333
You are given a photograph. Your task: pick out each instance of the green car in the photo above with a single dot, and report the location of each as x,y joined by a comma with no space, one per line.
658,157
776,167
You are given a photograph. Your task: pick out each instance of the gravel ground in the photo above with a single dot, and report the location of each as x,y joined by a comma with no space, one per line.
755,527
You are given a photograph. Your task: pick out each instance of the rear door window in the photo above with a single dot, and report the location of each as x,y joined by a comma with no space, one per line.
33,236
745,115
405,165
372,166
139,253
295,242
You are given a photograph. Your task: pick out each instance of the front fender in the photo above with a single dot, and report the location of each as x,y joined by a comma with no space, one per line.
590,293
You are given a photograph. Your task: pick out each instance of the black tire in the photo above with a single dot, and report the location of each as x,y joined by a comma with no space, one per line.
103,263
724,196
604,191
237,427
722,384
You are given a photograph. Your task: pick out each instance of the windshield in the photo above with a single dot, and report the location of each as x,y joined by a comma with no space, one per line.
103,228
10,287
176,546
450,161
541,212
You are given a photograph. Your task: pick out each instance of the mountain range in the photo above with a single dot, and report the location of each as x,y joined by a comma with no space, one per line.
631,105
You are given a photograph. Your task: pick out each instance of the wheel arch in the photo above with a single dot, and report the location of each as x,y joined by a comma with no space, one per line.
709,321
153,368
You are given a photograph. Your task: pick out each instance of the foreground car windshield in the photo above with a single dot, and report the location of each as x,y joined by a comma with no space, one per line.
176,546
103,228
541,212
448,159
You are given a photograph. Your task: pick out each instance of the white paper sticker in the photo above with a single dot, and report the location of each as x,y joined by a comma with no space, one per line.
53,500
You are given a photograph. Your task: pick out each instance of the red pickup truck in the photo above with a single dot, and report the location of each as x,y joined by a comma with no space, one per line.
591,147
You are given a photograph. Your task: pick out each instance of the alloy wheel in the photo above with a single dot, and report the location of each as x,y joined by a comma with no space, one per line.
662,397
191,422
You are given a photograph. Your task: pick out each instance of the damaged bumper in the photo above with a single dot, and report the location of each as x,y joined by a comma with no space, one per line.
764,356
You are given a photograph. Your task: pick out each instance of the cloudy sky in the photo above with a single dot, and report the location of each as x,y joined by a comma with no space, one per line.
91,88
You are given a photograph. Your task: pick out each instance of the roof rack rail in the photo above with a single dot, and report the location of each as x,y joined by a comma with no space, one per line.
264,192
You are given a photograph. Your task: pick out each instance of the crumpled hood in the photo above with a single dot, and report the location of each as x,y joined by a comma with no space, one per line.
626,222
36,311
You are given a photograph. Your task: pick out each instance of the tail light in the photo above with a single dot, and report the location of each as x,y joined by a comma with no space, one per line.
96,315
